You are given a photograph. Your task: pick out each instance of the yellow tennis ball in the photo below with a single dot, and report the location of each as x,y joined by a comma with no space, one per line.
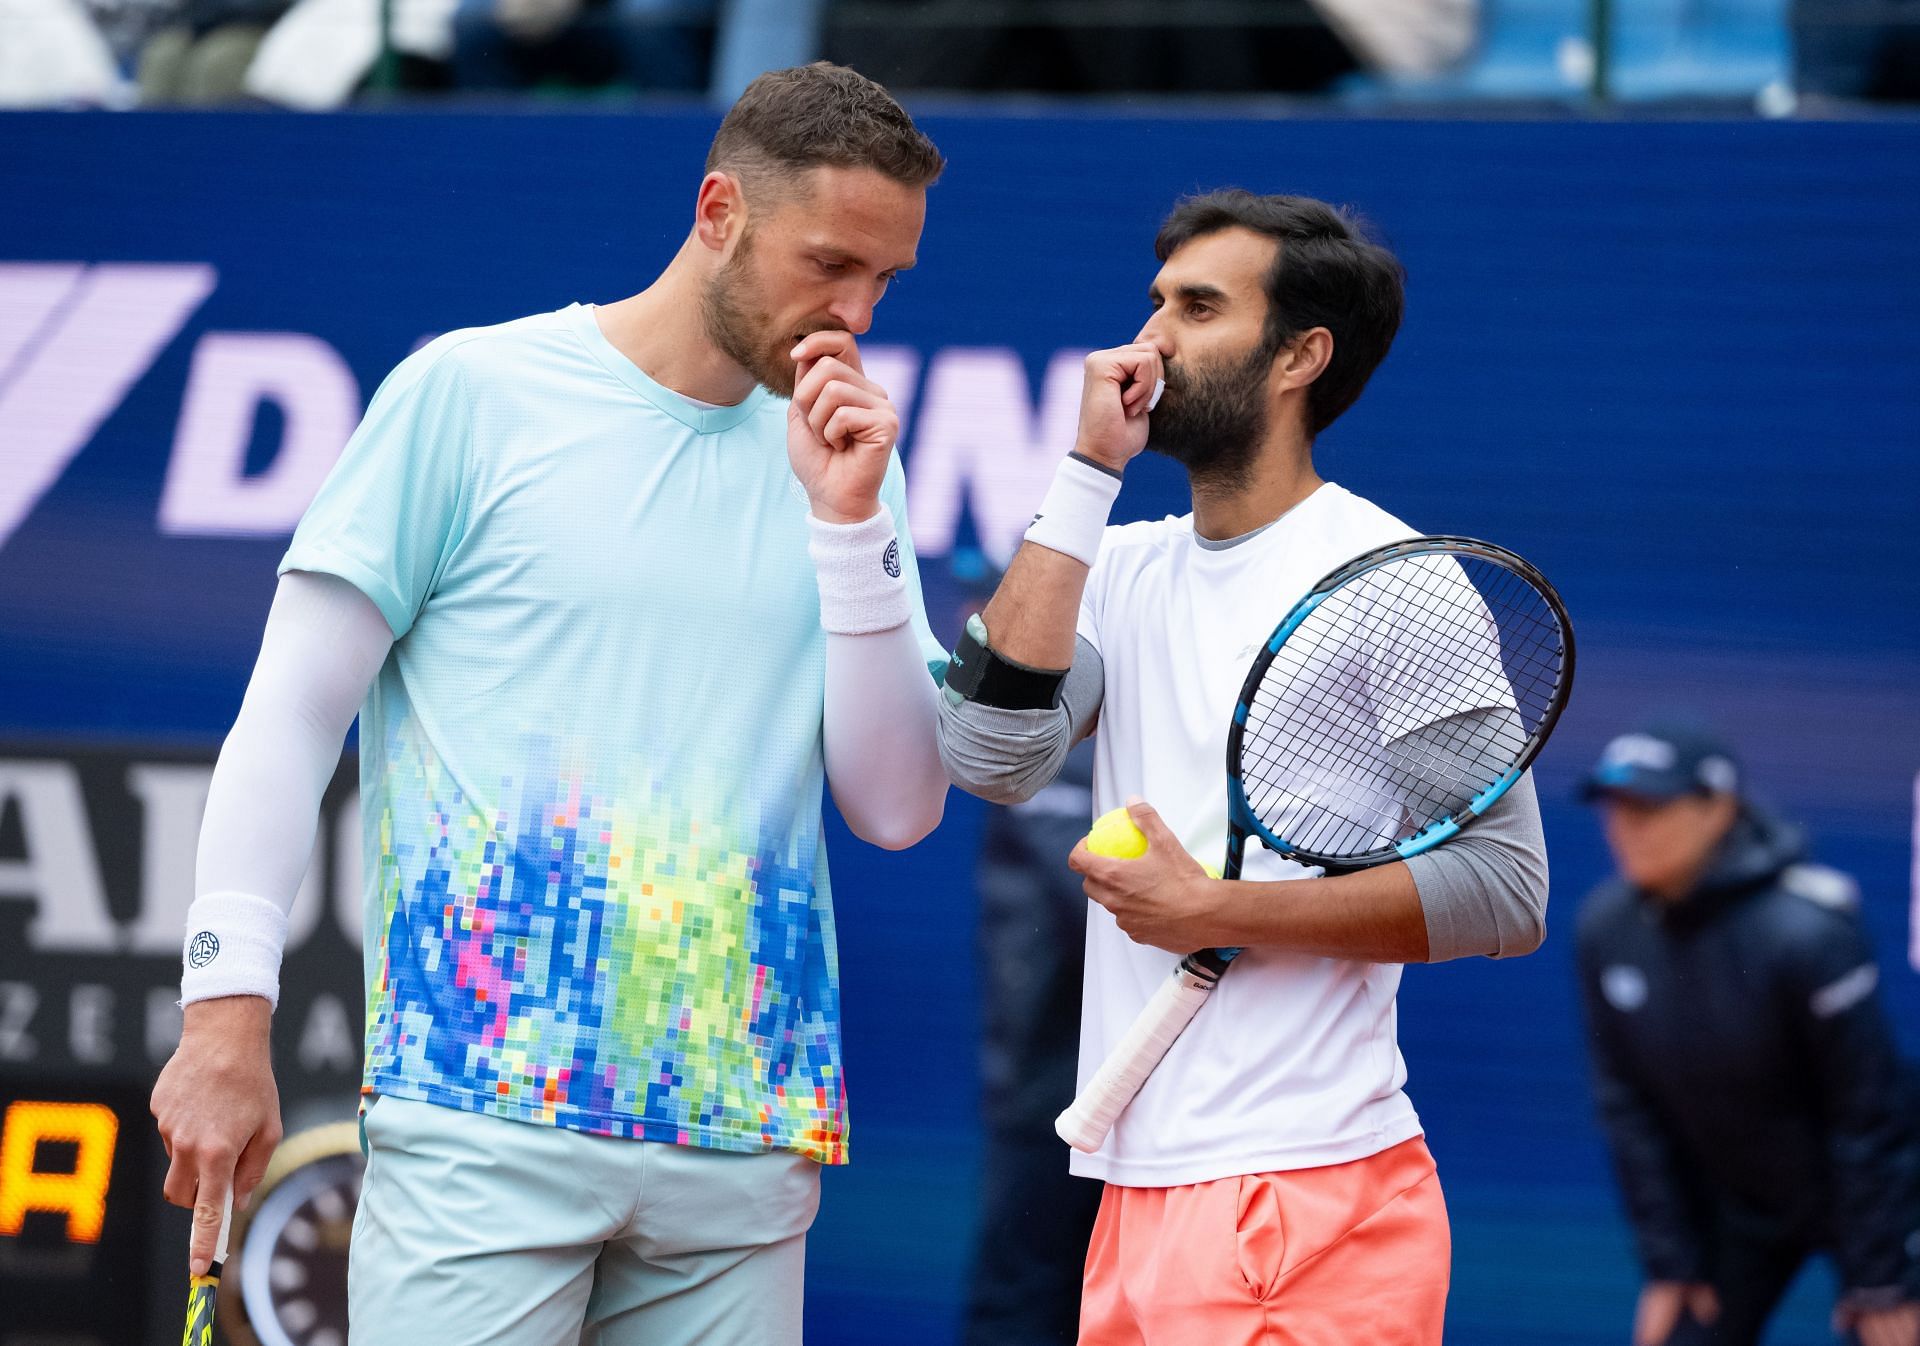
1115,836
1213,871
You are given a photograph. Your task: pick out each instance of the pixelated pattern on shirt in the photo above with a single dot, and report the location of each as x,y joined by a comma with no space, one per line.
615,959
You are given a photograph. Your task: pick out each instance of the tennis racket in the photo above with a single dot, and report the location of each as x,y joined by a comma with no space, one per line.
203,1292
1390,708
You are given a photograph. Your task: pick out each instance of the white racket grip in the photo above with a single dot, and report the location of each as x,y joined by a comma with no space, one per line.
1085,1124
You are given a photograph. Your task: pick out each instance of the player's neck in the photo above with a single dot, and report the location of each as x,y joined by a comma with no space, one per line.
661,330
1280,477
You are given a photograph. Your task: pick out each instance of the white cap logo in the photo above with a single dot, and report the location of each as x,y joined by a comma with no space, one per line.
1641,750
1624,987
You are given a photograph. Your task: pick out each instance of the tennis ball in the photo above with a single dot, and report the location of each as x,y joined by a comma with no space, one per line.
1115,836
1213,871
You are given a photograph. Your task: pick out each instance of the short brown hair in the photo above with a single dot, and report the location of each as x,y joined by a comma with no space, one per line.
821,115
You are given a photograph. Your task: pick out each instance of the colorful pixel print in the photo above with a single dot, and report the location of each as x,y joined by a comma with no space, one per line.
617,960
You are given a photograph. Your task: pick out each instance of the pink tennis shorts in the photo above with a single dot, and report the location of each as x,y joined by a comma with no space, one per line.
1336,1256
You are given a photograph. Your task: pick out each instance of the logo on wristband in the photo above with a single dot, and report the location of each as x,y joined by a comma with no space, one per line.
202,949
891,561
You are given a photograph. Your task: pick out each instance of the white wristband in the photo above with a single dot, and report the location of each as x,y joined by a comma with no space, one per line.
862,583
233,947
1074,514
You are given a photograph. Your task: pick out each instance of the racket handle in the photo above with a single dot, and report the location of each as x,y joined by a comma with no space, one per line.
1086,1123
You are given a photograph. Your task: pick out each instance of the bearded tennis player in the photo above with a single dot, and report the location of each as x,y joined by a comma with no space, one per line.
1270,1181
615,591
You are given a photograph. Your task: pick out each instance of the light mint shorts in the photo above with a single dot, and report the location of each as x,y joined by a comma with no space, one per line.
474,1231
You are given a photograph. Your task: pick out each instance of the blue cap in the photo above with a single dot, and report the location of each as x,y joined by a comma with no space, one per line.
1664,762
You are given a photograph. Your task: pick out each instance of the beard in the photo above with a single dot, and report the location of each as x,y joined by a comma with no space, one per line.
739,324
1213,417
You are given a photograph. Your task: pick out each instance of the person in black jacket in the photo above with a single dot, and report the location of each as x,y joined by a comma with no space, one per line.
1746,1075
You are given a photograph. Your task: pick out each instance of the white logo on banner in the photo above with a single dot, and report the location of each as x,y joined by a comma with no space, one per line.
73,342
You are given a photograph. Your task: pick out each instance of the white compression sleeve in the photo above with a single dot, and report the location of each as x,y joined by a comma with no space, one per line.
883,754
883,759
324,643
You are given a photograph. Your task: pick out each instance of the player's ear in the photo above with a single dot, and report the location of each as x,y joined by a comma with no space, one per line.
719,212
1304,359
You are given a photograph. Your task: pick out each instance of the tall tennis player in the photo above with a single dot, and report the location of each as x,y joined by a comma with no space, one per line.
614,590
1269,1182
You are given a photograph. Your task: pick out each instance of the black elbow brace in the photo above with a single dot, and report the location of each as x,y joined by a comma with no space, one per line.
976,673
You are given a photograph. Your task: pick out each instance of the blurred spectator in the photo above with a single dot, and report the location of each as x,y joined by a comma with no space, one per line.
755,36
127,24
1745,1071
52,55
200,57
652,45
1857,49
1147,46
1036,1218
324,51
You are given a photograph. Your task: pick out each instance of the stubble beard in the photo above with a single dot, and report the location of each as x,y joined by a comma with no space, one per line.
743,330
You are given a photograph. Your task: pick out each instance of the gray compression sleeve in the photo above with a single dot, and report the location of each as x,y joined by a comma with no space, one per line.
1485,891
1009,756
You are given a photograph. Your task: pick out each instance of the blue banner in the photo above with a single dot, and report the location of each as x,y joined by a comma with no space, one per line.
1673,364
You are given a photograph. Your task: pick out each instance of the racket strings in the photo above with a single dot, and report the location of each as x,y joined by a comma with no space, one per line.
1406,693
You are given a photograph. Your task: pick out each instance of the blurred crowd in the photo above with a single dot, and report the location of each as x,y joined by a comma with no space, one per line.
317,54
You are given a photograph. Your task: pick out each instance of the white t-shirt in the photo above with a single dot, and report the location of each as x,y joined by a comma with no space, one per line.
1294,1063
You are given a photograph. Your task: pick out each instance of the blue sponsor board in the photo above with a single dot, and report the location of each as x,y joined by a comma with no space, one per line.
1673,364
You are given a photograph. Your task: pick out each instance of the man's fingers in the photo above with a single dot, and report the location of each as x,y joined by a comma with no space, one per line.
853,426
1658,1313
1079,857
1148,820
209,1210
253,1162
1143,378
180,1180
838,345
835,398
823,374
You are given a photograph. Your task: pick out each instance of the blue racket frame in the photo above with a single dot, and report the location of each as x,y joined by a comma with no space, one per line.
1241,819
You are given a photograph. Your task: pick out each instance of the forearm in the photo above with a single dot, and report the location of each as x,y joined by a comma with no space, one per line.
1032,615
324,642
1034,612
881,704
1371,916
882,749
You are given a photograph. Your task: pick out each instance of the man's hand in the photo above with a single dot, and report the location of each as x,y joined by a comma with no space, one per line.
841,429
218,1112
1114,401
1895,1326
1164,898
1662,1302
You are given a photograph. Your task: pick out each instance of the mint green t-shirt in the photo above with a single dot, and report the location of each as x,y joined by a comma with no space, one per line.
591,766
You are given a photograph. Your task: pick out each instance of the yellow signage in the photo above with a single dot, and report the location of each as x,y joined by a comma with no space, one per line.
79,1193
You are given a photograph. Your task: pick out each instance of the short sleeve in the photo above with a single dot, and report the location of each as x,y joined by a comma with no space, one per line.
391,511
1402,656
893,494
